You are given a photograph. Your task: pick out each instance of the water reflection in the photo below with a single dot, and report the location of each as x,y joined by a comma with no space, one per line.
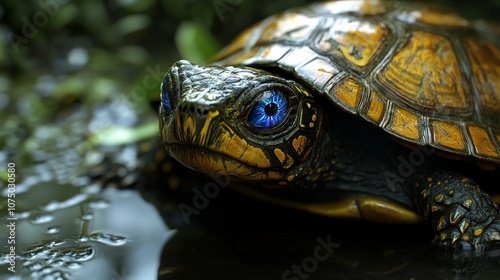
119,236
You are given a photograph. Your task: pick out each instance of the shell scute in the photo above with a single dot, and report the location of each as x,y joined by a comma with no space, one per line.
420,72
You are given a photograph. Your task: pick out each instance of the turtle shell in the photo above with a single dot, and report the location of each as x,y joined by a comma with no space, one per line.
420,72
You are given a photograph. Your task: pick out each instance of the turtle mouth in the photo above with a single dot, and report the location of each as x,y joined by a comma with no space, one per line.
202,159
211,162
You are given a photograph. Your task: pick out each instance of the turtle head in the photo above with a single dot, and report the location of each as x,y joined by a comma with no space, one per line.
246,123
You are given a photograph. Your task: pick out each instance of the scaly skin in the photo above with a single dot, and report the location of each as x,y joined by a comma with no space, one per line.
460,212
315,150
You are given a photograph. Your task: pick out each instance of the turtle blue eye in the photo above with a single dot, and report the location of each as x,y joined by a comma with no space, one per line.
165,100
270,110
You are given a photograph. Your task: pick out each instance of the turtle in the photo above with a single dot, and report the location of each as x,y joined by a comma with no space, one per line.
385,111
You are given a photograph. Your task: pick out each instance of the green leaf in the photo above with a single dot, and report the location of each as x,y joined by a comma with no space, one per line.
117,135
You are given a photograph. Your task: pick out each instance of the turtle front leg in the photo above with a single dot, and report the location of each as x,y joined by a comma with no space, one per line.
459,211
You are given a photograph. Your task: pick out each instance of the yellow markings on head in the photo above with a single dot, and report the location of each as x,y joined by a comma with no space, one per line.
208,162
299,144
348,94
305,121
286,161
482,142
304,92
290,178
405,123
189,128
478,231
204,130
448,135
238,148
376,109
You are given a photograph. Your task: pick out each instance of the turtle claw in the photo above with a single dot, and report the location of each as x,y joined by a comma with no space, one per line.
464,217
474,236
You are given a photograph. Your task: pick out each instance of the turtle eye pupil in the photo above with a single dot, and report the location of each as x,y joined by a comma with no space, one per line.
269,110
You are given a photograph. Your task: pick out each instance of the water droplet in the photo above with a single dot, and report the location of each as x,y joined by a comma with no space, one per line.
80,254
56,205
35,266
43,247
99,203
83,239
87,217
41,218
73,265
53,230
108,239
4,259
49,273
